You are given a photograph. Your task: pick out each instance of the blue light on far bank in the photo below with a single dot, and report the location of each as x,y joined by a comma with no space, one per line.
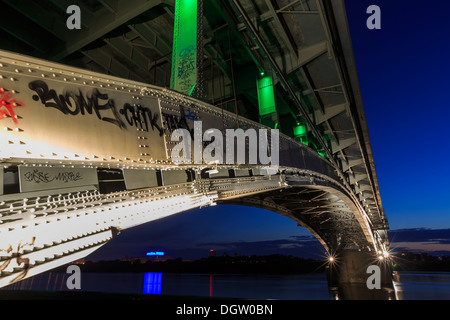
155,253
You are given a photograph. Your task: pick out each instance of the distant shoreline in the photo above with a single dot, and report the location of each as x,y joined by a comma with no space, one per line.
270,264
275,264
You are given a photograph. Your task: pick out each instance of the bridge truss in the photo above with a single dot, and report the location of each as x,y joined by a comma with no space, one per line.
85,154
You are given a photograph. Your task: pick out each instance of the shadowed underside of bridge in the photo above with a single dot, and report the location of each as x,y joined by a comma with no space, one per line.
87,119
319,209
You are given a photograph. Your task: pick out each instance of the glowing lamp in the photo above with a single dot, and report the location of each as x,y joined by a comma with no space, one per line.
299,129
155,253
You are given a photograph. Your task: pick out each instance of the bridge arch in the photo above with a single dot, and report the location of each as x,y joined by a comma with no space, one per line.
327,213
75,179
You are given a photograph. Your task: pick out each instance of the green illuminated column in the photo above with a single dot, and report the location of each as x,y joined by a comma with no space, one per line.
187,47
266,101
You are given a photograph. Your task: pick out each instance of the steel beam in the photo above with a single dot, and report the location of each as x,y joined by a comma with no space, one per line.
352,163
292,50
152,38
282,78
111,5
343,143
308,54
356,177
339,29
50,21
330,112
101,25
132,54
111,65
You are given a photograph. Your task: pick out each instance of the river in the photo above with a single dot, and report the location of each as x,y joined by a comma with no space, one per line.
412,285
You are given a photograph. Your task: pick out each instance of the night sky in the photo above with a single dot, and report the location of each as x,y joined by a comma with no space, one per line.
403,72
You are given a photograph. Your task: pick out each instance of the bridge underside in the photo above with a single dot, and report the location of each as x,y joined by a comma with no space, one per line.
60,201
85,154
317,209
43,229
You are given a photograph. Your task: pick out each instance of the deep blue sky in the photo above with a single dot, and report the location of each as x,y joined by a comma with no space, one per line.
404,73
404,76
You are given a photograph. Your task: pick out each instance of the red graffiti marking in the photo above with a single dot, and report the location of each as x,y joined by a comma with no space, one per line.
6,102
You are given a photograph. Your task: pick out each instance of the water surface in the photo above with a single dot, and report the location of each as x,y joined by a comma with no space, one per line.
411,285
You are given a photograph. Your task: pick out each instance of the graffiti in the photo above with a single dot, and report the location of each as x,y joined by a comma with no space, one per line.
74,103
141,118
186,71
37,176
191,115
186,66
68,176
8,104
19,260
187,50
187,60
172,122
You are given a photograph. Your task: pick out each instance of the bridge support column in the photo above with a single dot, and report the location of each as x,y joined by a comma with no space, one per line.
351,277
187,53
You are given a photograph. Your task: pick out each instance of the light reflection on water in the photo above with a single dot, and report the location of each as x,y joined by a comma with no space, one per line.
283,287
152,283
411,285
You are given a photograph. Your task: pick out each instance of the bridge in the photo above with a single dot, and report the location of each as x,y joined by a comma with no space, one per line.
87,128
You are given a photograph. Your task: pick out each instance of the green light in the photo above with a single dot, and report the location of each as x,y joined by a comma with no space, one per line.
301,133
190,91
184,56
323,154
299,130
266,97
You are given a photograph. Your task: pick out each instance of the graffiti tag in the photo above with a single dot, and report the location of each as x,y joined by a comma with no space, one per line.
74,103
7,105
37,176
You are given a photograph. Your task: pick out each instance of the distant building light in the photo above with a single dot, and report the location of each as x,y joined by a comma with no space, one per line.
155,253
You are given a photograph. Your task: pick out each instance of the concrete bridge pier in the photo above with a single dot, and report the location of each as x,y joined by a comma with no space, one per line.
358,275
